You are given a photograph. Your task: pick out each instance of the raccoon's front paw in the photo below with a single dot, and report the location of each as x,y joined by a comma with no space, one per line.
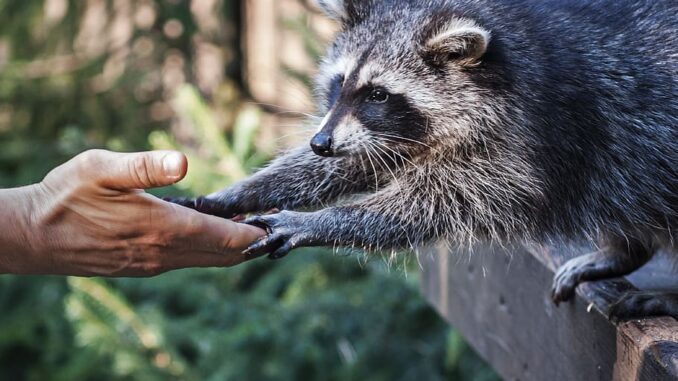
286,231
220,208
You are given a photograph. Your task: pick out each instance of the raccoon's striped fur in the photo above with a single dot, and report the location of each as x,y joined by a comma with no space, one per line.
492,119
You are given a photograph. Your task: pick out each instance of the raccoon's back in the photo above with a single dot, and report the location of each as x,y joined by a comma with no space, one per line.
619,110
597,82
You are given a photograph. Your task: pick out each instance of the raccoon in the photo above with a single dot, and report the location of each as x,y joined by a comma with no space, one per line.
467,120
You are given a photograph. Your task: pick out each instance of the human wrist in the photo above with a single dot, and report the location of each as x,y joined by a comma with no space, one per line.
19,240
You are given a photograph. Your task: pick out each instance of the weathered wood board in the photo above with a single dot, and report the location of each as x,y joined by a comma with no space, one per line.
498,298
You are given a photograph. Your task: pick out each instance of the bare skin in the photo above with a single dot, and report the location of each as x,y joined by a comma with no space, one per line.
90,216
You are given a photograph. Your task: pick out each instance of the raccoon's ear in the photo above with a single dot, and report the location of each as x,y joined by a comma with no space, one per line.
461,41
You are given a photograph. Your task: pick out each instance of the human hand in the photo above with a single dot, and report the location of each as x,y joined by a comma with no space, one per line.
90,216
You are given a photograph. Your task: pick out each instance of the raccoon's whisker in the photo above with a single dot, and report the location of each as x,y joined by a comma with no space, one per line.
297,133
395,179
383,166
394,158
337,171
395,140
384,149
363,166
376,176
384,135
395,153
296,93
291,112
381,149
300,127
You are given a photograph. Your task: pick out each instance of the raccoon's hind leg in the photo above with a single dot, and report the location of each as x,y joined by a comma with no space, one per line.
639,304
620,257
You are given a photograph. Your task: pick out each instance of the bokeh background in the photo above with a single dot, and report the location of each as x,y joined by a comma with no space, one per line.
228,83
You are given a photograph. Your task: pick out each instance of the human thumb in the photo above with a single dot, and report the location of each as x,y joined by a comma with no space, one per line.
145,169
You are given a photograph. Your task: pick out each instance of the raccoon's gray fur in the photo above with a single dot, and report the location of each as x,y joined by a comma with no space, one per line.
491,119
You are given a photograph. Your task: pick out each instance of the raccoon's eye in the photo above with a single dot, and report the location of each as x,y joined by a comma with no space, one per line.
378,95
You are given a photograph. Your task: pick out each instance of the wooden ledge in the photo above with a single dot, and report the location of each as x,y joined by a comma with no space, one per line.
498,299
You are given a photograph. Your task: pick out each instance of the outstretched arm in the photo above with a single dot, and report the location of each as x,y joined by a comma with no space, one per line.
90,217
297,179
391,218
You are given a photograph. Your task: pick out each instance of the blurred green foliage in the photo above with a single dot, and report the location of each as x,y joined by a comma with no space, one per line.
316,315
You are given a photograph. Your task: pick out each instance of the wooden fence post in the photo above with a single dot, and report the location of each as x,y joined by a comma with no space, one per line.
498,299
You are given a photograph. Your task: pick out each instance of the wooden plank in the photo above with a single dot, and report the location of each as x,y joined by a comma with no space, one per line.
498,298
650,350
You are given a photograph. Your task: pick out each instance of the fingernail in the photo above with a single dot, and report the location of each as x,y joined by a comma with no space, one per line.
172,164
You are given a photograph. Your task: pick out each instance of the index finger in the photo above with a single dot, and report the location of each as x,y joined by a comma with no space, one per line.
216,233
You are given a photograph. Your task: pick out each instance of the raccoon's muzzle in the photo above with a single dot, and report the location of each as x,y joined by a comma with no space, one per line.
322,144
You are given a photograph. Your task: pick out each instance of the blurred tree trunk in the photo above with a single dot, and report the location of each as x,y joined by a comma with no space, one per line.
282,42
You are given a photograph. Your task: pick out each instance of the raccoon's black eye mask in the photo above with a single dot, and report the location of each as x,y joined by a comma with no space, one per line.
374,95
335,90
378,95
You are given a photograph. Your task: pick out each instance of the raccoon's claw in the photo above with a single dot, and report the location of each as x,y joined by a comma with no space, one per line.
286,231
568,277
561,292
204,205
183,201
580,269
641,304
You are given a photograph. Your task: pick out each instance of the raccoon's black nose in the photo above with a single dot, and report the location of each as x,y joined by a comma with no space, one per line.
322,144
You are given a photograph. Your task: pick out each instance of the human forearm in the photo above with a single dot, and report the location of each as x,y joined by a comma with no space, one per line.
91,217
16,245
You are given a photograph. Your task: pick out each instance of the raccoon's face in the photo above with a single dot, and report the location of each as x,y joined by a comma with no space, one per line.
394,79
